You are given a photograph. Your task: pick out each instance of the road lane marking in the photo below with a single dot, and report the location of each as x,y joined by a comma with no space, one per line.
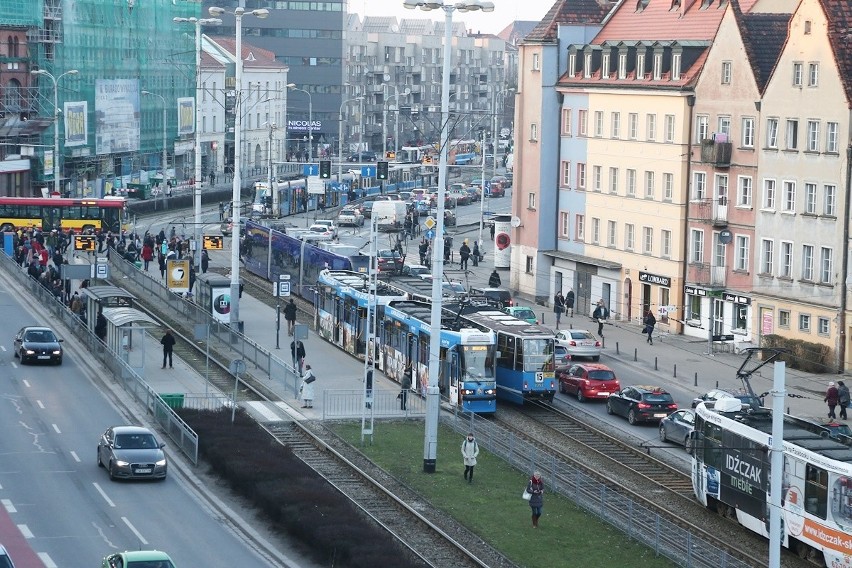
25,530
104,495
132,528
14,365
7,504
55,427
75,456
3,347
40,404
47,560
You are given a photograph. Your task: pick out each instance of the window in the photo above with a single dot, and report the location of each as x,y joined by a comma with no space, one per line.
668,186
531,201
647,240
581,176
533,132
810,198
613,180
769,194
767,251
722,189
831,137
826,256
587,65
823,326
740,319
572,64
583,119
792,134
699,186
203,124
676,58
616,125
813,74
744,191
658,66
670,128
804,322
596,231
702,128
566,175
785,270
829,200
666,243
772,133
633,126
696,246
564,222
596,177
566,122
788,204
628,236
622,65
649,185
741,248
797,74
580,227
808,263
640,65
612,233
748,132
529,265
813,136
605,66
651,127
784,319
726,72
536,62
204,91
598,123
631,183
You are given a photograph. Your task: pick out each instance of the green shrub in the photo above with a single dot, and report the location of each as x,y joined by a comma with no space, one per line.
803,355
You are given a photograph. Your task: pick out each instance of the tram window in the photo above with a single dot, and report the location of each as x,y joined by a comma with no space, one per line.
519,356
816,491
712,445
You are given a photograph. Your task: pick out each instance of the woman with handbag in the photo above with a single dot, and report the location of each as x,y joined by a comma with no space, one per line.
535,488
307,388
650,321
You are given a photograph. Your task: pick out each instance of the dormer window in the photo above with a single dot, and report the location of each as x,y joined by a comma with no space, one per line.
587,66
706,4
572,64
675,5
640,66
658,66
605,66
676,59
622,65
641,5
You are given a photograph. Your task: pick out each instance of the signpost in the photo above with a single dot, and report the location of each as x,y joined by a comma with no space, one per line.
280,289
102,268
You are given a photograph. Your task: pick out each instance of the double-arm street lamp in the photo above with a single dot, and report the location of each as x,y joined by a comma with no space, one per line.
394,96
215,11
340,137
56,112
499,102
293,87
430,443
165,155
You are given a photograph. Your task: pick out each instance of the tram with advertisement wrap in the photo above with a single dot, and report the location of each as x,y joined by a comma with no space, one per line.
731,474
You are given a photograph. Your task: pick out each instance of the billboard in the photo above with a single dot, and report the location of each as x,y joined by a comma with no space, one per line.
177,276
186,115
502,241
220,307
76,123
116,116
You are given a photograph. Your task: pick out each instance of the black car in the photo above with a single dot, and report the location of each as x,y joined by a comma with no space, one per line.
492,296
677,427
37,344
363,157
641,404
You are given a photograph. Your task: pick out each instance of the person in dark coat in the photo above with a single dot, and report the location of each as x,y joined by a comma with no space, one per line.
168,343
842,398
101,326
558,306
600,315
423,249
406,386
569,302
832,397
476,253
297,350
535,487
290,316
494,280
205,261
650,321
464,255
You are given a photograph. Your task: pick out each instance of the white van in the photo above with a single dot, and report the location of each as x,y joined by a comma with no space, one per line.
389,215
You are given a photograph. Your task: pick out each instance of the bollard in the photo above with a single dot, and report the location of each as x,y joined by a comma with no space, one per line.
717,384
675,370
655,364
603,342
635,354
542,318
616,348
696,379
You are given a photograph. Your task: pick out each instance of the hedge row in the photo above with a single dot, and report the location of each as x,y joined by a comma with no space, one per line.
803,355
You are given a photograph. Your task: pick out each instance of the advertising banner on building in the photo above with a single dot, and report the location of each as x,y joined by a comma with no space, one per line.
116,116
502,241
48,163
177,276
220,307
186,115
76,123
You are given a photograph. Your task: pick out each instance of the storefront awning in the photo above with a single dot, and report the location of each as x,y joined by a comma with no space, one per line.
562,255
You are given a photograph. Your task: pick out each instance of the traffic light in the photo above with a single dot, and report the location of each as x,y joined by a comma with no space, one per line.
325,169
381,170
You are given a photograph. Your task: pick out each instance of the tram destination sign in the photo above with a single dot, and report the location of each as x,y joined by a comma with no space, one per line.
649,278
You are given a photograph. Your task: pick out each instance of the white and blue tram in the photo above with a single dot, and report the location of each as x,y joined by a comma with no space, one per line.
525,365
466,373
731,474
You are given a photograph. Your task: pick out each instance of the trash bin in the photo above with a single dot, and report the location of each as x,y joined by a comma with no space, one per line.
173,400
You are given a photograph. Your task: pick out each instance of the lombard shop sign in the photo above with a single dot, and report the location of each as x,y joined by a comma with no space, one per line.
649,278
304,125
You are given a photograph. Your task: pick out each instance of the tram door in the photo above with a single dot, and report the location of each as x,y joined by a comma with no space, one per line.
453,374
337,320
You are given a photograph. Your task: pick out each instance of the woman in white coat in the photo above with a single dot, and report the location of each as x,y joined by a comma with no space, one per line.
307,388
469,450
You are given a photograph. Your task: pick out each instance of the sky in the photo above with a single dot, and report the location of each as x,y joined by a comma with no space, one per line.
505,12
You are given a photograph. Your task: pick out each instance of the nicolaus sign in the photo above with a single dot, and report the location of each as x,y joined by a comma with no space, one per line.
304,125
649,278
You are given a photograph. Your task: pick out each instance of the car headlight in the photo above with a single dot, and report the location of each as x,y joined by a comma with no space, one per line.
161,463
29,352
121,463
57,352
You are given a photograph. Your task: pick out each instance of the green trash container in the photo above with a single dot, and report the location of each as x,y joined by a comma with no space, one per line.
173,400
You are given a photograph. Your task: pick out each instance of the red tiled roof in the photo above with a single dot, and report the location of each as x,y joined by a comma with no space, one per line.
208,60
568,12
839,13
262,57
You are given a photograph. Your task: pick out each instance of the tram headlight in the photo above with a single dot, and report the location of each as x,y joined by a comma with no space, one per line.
490,391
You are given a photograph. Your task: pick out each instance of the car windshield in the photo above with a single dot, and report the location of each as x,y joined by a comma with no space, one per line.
658,397
601,375
5,562
135,441
581,335
40,336
150,564
538,354
525,313
478,361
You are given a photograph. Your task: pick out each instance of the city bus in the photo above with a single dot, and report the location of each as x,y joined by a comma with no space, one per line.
48,213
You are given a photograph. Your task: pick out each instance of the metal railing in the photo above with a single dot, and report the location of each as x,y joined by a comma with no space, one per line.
174,426
338,404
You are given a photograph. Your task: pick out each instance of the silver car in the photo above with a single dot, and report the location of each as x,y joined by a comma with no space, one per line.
677,427
5,560
579,343
131,452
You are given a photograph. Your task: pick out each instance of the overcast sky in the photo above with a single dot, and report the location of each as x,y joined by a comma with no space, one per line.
505,12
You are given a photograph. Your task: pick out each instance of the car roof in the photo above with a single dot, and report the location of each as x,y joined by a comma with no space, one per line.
131,430
650,389
35,328
592,366
145,555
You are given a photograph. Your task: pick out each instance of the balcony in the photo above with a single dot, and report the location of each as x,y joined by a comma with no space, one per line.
717,153
713,211
707,275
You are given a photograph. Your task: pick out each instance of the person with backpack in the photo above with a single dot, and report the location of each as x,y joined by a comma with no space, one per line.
290,316
469,450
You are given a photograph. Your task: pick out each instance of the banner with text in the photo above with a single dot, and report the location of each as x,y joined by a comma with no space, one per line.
186,115
76,123
116,116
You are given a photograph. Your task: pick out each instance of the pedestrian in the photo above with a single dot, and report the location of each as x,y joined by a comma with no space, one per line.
101,326
469,450
205,261
406,386
494,279
650,321
423,249
492,231
147,255
307,388
161,260
168,343
600,315
475,253
842,398
535,487
569,302
290,316
464,255
77,307
212,178
558,306
221,210
831,397
297,349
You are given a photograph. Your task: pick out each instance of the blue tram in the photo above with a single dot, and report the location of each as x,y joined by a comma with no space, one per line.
525,352
467,357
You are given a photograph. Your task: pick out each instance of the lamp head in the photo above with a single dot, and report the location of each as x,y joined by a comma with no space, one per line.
72,72
215,11
210,22
262,13
38,72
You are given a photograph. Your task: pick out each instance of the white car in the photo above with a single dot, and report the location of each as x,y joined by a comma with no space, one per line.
350,216
579,343
321,230
332,226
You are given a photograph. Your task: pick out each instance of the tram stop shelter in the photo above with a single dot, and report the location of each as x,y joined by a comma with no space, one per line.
102,297
126,335
213,294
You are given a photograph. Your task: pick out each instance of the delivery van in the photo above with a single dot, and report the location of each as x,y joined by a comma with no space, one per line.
389,215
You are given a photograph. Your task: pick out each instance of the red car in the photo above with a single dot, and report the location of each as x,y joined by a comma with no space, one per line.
588,381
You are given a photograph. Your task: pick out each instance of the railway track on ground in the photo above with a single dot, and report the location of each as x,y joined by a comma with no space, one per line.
633,473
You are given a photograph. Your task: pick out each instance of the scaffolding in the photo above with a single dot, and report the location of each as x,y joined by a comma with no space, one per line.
21,13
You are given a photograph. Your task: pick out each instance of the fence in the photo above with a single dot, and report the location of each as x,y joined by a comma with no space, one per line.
619,510
338,404
178,430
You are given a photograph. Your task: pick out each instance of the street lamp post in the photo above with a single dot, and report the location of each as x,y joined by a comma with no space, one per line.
56,169
293,87
214,11
430,443
198,175
502,103
340,138
165,154
395,96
